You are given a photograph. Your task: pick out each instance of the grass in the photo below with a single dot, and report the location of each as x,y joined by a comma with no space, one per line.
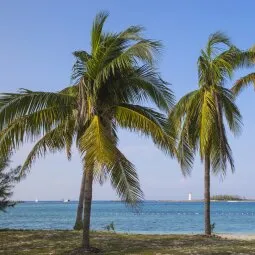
64,242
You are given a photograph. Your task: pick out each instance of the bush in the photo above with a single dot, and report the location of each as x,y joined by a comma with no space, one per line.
7,180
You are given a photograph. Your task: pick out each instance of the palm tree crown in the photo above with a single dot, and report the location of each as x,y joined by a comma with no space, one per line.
200,113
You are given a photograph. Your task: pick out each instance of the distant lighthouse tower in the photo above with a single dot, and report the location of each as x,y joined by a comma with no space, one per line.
190,196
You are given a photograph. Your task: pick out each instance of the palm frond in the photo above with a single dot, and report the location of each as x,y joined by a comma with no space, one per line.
30,127
133,33
97,144
56,140
125,181
100,148
185,151
138,85
147,122
230,110
118,54
214,42
16,105
150,86
243,83
80,65
96,32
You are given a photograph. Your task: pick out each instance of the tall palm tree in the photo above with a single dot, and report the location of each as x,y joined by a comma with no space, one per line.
110,85
200,116
240,84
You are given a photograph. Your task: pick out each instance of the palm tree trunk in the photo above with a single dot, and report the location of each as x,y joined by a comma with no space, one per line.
79,223
87,207
207,196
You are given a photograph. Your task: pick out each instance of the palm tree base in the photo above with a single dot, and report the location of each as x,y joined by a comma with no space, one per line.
82,250
209,235
78,225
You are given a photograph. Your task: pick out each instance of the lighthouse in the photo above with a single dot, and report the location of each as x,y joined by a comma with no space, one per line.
189,196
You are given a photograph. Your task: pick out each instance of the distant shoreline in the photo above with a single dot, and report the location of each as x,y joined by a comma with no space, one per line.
160,201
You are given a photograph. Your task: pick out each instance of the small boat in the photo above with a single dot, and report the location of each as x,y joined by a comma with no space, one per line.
36,200
66,200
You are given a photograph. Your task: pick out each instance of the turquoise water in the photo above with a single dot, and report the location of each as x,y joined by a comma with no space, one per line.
153,217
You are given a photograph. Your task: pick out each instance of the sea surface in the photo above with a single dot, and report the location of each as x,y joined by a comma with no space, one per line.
152,217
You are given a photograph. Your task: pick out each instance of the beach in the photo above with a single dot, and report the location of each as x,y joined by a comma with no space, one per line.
246,237
159,227
66,242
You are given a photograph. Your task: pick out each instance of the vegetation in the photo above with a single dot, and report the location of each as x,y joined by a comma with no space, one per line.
110,86
248,79
213,225
110,227
66,242
199,115
227,198
7,179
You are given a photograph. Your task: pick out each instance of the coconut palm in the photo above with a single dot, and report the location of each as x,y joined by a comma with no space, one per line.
200,116
111,84
248,79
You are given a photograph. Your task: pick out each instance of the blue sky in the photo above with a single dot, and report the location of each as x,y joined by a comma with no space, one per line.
37,41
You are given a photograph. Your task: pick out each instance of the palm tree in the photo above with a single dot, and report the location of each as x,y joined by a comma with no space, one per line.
240,84
200,116
110,85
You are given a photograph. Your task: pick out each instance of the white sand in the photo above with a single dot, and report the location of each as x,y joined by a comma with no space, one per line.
246,237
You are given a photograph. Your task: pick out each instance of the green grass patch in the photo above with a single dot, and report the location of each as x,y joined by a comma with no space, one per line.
65,242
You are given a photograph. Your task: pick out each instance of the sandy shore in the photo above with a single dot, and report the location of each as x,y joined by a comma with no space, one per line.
246,237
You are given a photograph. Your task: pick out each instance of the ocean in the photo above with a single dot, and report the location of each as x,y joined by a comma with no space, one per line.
153,217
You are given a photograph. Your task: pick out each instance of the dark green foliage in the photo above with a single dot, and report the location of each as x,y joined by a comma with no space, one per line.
110,227
228,198
247,60
213,225
7,180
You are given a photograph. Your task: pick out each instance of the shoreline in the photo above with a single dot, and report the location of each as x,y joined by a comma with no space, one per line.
229,236
235,236
159,201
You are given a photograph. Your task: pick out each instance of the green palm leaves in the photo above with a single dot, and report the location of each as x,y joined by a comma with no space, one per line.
201,115
26,116
248,58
